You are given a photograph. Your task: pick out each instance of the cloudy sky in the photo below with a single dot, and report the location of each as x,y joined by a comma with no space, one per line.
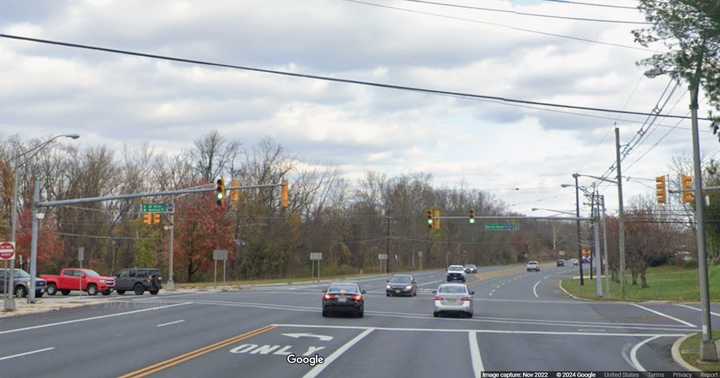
121,100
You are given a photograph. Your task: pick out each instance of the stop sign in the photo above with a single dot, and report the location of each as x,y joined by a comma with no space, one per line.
7,250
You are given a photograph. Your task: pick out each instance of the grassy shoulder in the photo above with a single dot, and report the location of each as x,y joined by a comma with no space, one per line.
669,283
690,351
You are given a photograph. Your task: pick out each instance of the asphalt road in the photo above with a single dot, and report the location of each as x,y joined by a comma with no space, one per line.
522,322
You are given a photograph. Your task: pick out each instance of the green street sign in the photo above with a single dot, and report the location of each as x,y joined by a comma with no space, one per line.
502,227
158,208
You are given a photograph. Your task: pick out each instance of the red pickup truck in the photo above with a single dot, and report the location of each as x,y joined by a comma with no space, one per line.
78,279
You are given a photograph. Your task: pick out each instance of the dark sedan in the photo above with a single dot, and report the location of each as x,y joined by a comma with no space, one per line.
343,297
21,283
401,284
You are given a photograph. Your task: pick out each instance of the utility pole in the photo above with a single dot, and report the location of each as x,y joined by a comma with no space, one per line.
10,294
596,235
171,251
34,242
605,249
387,245
593,249
708,349
621,214
577,224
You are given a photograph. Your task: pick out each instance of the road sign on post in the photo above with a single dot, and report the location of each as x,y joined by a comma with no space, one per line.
219,255
316,256
502,227
81,256
7,251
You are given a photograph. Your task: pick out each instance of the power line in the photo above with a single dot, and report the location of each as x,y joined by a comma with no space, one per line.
336,79
519,13
547,34
591,4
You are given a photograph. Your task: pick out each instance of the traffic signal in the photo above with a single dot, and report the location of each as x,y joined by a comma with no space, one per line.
430,219
219,192
471,216
285,195
661,190
147,218
436,220
688,196
156,218
235,193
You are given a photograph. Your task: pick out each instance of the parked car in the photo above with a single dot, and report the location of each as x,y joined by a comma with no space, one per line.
471,268
139,280
453,298
561,262
73,279
456,273
343,297
401,284
21,283
532,266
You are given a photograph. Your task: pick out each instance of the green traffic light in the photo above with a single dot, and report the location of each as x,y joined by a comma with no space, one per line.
471,220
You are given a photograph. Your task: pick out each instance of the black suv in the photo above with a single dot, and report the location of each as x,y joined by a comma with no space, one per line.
21,281
138,280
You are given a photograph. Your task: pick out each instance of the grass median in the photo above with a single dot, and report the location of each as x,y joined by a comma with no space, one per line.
690,351
666,283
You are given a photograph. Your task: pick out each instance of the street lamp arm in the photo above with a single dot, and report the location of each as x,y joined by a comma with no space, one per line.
42,145
598,178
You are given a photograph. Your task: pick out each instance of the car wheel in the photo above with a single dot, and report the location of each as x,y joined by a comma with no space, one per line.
106,292
92,290
120,292
65,292
360,314
20,291
52,289
436,314
387,294
139,289
324,313
154,292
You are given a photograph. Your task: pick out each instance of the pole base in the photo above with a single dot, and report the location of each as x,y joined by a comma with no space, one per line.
170,286
708,351
9,304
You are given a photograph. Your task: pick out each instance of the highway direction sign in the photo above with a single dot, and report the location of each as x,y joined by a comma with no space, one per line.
502,227
7,251
382,256
158,208
315,256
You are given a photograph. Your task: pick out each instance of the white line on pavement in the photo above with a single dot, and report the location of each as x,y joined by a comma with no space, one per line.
169,323
634,350
695,308
26,353
664,315
319,368
92,318
494,331
535,289
430,283
475,356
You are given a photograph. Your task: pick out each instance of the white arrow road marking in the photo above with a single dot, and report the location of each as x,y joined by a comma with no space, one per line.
299,335
634,351
535,289
329,360
26,353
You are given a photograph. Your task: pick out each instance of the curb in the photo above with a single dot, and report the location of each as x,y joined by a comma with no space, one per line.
677,356
568,293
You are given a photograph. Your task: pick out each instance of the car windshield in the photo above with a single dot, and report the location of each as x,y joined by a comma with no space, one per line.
401,279
352,289
455,268
452,289
19,273
91,273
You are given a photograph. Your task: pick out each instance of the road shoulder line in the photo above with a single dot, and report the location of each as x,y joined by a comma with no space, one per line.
663,315
26,353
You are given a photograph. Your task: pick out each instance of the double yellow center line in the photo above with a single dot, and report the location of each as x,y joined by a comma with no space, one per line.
160,366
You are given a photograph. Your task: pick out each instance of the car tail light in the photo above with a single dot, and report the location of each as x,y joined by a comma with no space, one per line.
328,296
466,299
357,298
438,298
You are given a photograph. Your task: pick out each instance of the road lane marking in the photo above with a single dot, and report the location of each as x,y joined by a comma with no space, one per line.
535,289
92,318
169,323
26,353
493,331
298,335
163,365
696,309
337,353
634,350
475,356
664,315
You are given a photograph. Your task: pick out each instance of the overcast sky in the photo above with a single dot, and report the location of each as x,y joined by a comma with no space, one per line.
120,100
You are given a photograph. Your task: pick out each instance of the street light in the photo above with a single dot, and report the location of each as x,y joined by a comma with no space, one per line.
10,295
553,211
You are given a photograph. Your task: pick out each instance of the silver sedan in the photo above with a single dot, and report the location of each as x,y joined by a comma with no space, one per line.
453,298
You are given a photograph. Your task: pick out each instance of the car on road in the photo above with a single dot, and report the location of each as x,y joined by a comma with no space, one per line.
532,266
561,262
456,273
471,268
453,298
74,279
574,262
401,284
138,280
343,297
21,283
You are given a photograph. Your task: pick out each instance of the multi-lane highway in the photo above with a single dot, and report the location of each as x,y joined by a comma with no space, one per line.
522,322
